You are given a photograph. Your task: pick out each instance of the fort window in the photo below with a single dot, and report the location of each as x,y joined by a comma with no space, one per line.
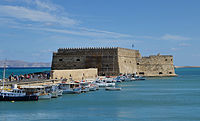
130,61
124,61
160,73
170,72
138,63
141,73
60,59
78,60
165,59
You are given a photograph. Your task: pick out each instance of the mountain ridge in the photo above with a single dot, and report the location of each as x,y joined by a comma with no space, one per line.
20,63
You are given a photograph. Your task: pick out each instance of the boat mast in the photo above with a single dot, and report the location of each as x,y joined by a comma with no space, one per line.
4,74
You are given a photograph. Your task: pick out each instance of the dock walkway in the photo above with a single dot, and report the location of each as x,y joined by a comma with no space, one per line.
24,82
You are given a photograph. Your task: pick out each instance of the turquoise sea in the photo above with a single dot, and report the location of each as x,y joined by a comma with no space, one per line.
154,99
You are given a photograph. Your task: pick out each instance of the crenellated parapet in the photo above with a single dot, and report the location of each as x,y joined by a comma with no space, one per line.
87,48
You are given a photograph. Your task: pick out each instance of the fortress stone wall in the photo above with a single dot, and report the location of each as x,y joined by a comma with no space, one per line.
75,74
112,61
156,65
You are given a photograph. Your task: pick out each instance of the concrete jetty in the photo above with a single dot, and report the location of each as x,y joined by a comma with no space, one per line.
32,82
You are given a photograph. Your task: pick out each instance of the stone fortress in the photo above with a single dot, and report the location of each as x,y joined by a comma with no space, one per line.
111,62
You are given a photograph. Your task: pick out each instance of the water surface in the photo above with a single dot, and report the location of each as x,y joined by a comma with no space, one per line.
155,99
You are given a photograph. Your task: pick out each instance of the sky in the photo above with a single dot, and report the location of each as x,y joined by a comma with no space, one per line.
31,30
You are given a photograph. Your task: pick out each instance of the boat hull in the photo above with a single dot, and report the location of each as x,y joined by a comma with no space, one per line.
54,95
45,97
113,89
71,92
21,98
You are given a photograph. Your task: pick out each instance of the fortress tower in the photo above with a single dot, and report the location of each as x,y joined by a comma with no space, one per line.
112,61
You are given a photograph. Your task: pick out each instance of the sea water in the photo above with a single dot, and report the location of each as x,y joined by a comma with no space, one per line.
154,99
19,71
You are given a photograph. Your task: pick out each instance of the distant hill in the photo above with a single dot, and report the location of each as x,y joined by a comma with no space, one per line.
18,63
187,66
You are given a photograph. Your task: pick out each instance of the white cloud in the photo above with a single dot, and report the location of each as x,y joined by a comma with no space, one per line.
79,32
174,37
46,5
41,4
184,44
26,14
174,49
165,37
40,19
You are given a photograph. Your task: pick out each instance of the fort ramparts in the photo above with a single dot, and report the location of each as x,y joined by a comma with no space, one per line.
113,61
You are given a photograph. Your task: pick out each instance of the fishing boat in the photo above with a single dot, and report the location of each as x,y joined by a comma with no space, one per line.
84,87
42,92
110,84
118,79
15,94
105,83
70,88
44,96
60,92
101,84
93,87
138,77
112,89
55,92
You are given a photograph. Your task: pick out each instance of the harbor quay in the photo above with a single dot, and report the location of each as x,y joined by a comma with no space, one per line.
31,82
80,70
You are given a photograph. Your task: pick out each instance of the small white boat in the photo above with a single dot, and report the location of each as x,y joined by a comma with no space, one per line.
54,94
133,79
92,87
45,96
70,88
55,91
110,84
112,89
101,84
60,92
84,86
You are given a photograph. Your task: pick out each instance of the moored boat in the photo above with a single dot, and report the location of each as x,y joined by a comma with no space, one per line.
17,95
60,92
112,89
45,96
70,88
55,92
41,91
84,87
93,87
